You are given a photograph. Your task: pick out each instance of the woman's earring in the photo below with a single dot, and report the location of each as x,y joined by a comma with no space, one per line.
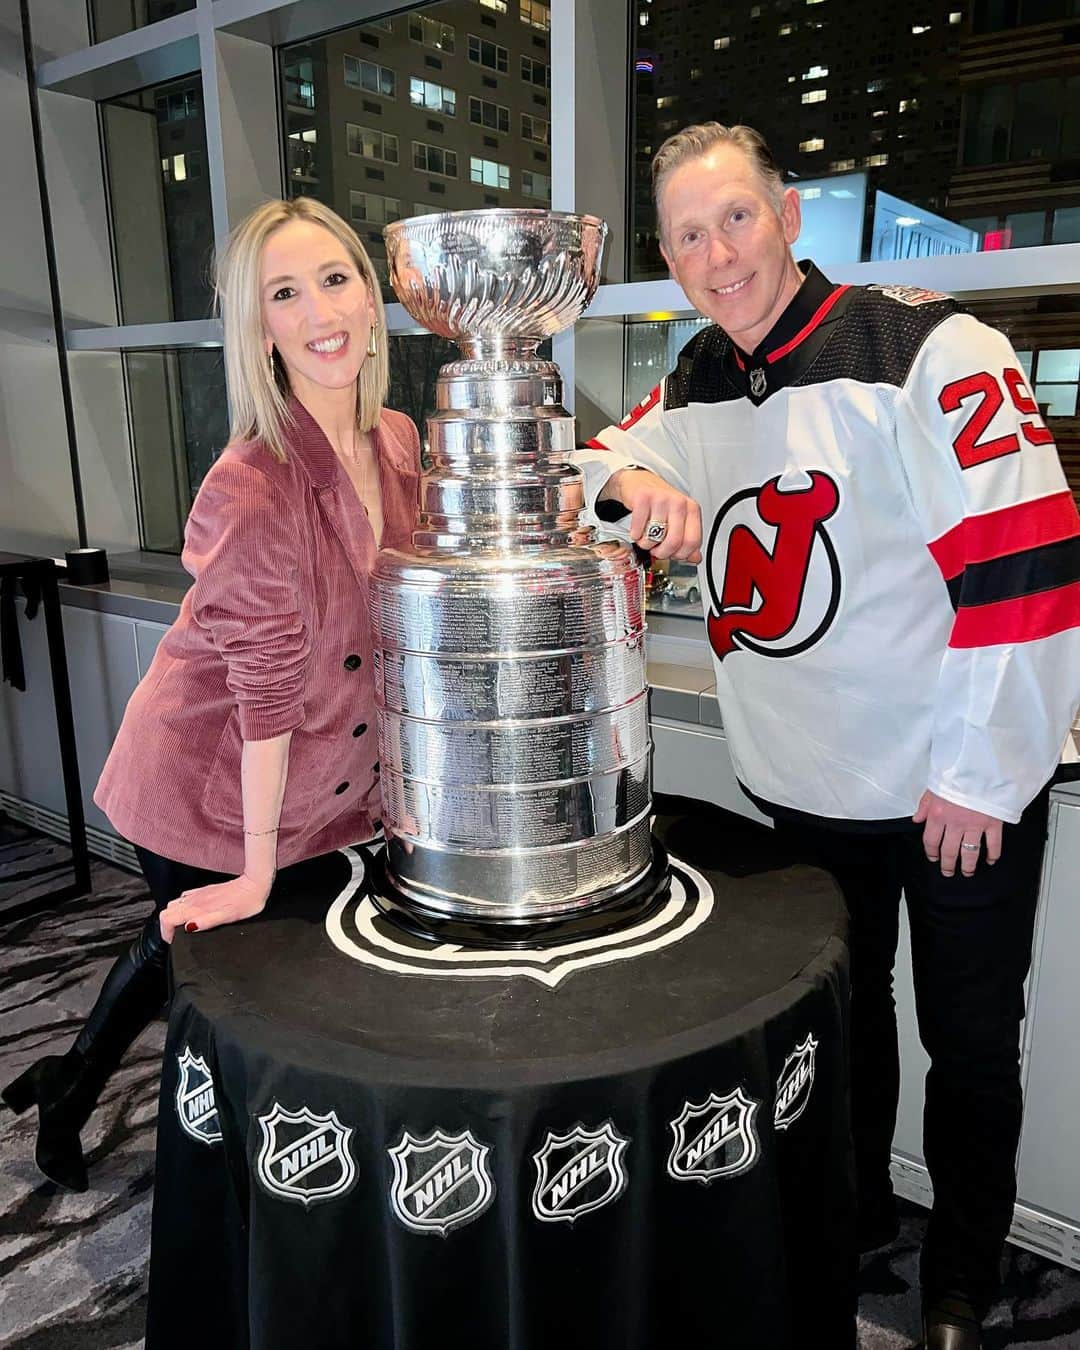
271,373
372,344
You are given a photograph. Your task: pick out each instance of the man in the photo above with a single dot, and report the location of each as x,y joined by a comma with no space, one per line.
891,573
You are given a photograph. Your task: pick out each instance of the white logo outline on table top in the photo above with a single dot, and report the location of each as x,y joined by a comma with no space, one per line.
547,1204
196,1103
445,1179
548,965
271,1154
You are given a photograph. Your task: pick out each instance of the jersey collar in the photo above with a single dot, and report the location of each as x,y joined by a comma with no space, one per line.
794,340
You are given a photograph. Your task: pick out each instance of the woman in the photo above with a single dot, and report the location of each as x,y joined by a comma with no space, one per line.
250,744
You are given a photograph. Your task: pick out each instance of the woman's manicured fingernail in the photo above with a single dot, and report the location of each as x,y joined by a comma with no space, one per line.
191,928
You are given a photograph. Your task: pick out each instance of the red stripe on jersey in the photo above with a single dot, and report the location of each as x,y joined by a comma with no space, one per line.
804,333
594,444
1024,619
1012,529
636,414
738,359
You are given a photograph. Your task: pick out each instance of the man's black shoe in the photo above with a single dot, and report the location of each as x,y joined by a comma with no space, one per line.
949,1323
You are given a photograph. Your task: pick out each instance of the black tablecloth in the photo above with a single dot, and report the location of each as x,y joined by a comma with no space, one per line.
644,1148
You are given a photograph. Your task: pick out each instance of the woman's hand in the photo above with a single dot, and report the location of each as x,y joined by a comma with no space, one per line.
663,520
211,906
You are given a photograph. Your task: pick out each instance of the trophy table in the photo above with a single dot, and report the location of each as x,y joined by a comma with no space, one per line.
509,645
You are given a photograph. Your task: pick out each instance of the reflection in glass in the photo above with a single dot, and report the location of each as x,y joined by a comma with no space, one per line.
420,112
159,191
179,423
110,18
925,102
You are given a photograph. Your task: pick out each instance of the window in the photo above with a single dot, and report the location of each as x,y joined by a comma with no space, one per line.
667,101
535,72
428,208
489,173
536,185
876,161
369,143
435,97
841,165
177,106
179,168
434,159
300,156
816,73
908,105
535,129
814,143
1056,378
918,29
370,77
535,14
489,54
786,29
300,84
955,17
721,44
491,115
431,33
370,209
499,6
815,96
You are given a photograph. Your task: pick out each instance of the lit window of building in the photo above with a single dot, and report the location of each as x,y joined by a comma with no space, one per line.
816,73
371,78
434,97
814,143
815,96
755,11
368,208
809,194
908,104
786,29
499,6
535,129
956,17
489,173
535,14
918,29
371,144
491,115
489,54
536,185
880,112
876,161
535,72
875,86
643,19
300,151
841,165
431,33
721,44
434,159
667,101
695,74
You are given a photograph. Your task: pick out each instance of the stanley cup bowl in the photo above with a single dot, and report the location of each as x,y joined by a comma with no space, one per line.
484,277
508,643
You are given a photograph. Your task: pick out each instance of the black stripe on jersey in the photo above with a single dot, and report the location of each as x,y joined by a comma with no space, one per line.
1027,573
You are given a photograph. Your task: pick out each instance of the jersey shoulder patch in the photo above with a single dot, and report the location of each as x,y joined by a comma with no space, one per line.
908,295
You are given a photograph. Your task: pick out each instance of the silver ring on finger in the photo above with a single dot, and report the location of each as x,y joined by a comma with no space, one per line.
976,847
655,531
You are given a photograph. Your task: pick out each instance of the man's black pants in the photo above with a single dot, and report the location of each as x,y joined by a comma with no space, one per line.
970,947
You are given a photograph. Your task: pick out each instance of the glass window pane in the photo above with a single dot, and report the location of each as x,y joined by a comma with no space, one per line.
1037,119
1067,225
160,196
1057,400
180,424
110,18
1059,365
459,98
1025,229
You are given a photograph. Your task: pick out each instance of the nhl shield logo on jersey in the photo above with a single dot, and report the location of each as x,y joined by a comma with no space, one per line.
795,1084
715,1139
441,1182
578,1172
196,1108
304,1156
772,567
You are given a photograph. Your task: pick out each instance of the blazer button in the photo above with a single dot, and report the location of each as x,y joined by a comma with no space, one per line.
352,662
359,731
341,787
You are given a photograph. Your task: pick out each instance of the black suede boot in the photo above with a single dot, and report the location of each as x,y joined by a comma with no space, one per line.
65,1088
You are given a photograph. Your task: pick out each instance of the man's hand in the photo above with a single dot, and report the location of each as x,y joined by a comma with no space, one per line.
953,831
211,906
653,502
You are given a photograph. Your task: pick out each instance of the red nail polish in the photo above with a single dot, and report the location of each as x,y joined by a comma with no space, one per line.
191,928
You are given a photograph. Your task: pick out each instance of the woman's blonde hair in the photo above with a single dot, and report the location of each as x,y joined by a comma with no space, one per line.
259,408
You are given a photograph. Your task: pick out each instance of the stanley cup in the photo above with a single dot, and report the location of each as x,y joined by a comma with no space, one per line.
509,644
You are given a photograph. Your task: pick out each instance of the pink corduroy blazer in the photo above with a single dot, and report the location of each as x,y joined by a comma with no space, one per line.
272,637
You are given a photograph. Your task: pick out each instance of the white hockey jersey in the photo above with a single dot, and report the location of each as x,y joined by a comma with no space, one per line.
891,568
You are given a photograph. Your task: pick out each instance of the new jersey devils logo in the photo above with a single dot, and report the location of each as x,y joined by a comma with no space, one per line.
773,572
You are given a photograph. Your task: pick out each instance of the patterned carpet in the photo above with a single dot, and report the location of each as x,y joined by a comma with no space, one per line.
73,1267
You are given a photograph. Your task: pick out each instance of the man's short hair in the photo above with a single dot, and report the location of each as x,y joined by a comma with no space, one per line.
693,142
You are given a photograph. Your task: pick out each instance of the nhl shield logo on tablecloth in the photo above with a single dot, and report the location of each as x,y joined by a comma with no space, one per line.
196,1108
304,1156
440,1182
795,1084
715,1139
578,1172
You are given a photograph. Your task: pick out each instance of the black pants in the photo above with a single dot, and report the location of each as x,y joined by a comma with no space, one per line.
971,948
